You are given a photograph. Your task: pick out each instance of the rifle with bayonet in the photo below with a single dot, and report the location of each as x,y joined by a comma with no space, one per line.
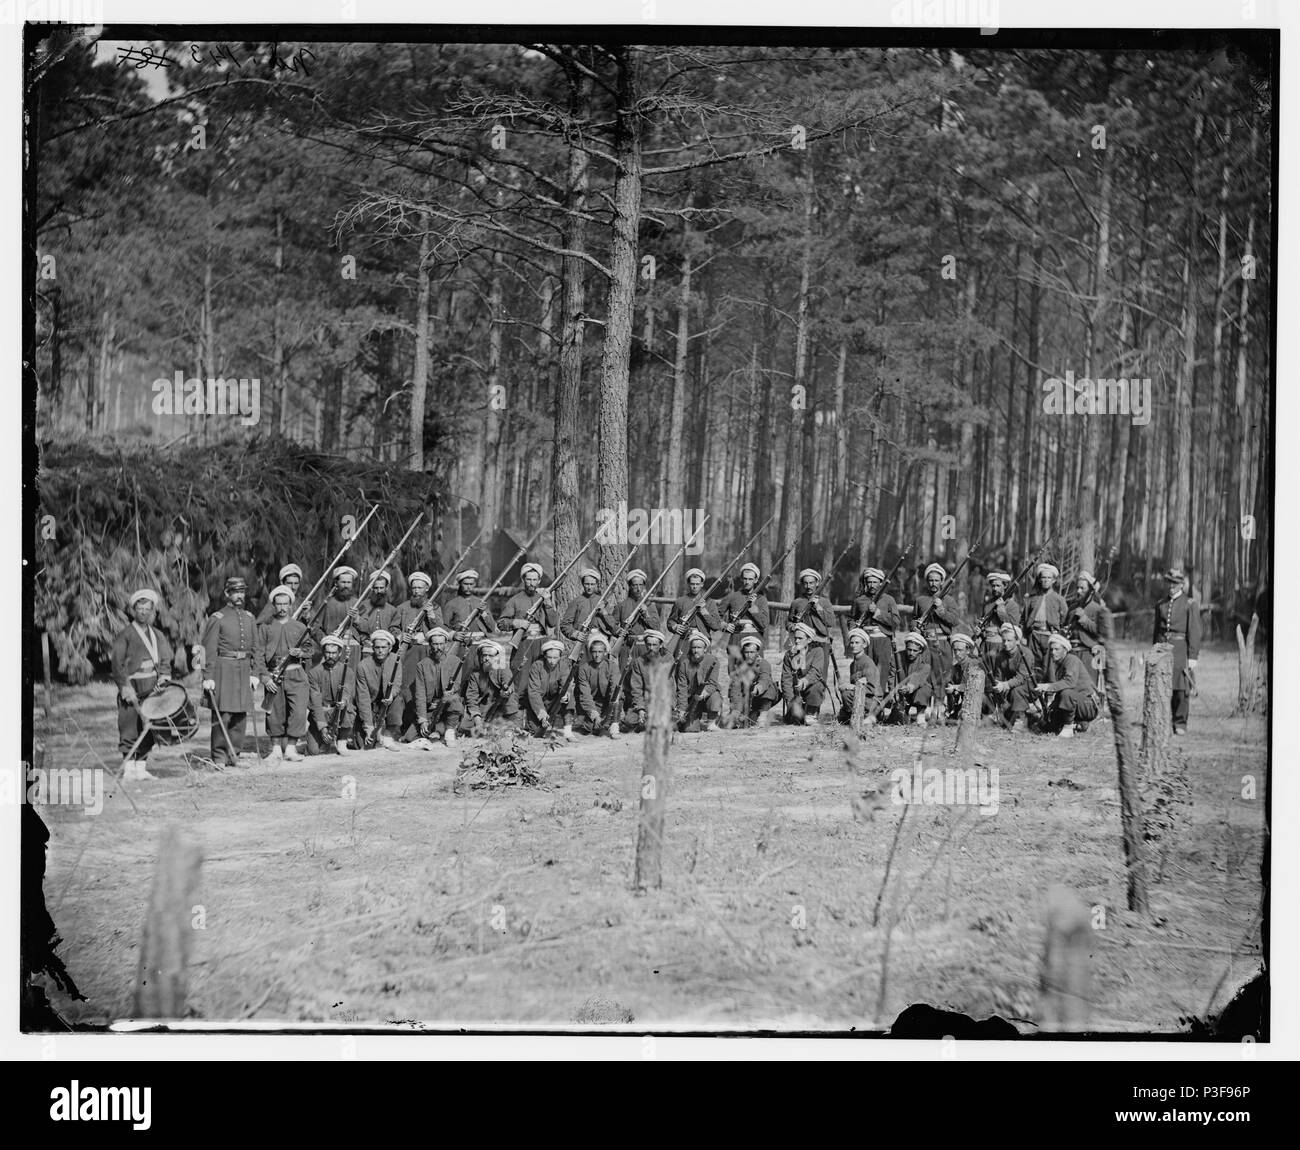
1011,587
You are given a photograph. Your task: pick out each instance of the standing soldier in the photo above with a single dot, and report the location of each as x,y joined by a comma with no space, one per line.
1073,700
545,701
574,624
997,610
439,709
1088,626
378,614
751,690
597,683
285,643
1044,614
936,617
466,617
291,577
1178,621
814,612
340,611
232,665
379,686
634,619
638,679
803,686
876,612
916,685
528,617
685,615
1011,678
864,676
331,700
412,623
746,609
699,689
142,659
489,689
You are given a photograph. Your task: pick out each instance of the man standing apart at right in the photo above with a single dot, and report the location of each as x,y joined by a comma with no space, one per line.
1178,621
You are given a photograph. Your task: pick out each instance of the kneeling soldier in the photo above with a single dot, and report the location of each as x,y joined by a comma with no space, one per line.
638,679
439,709
379,687
1073,700
915,687
490,689
1011,681
864,676
597,681
699,688
751,690
331,699
546,702
963,648
802,684
285,643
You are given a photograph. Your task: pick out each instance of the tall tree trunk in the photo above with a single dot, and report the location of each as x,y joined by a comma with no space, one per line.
1244,503
573,296
490,500
280,384
792,490
420,370
611,407
674,471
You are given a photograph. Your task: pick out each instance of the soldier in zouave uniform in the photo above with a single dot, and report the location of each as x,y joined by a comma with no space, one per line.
438,706
814,612
963,648
331,700
1011,678
232,666
574,624
411,625
1044,614
489,688
935,619
338,614
1074,700
376,613
1089,626
751,690
1178,621
528,617
685,615
285,642
379,688
997,610
291,577
864,676
699,688
466,617
746,608
634,619
548,680
638,679
916,685
876,612
597,683
803,685
142,659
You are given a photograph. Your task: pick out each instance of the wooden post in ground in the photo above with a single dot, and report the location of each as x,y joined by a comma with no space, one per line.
972,707
1130,792
162,981
1065,972
1166,792
654,782
1250,685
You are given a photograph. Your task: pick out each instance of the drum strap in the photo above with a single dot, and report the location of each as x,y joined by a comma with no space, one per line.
149,639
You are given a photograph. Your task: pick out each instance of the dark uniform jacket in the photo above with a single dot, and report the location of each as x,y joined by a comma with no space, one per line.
518,606
693,678
638,680
545,685
1178,621
1044,610
647,618
132,662
575,616
231,653
790,673
936,624
434,682
736,608
761,686
702,615
886,619
331,694
596,686
276,638
375,683
460,609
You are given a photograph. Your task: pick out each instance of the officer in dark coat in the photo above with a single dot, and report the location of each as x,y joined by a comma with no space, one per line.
1178,621
232,665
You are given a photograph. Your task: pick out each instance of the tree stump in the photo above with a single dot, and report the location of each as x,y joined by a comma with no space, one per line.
1130,792
1065,974
1250,672
162,981
972,707
859,708
1166,793
654,782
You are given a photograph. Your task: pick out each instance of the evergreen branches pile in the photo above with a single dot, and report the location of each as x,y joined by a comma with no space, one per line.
111,520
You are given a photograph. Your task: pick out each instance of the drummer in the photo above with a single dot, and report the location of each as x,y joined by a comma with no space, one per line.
142,659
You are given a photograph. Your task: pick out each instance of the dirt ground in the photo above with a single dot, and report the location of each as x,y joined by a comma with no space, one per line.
410,903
